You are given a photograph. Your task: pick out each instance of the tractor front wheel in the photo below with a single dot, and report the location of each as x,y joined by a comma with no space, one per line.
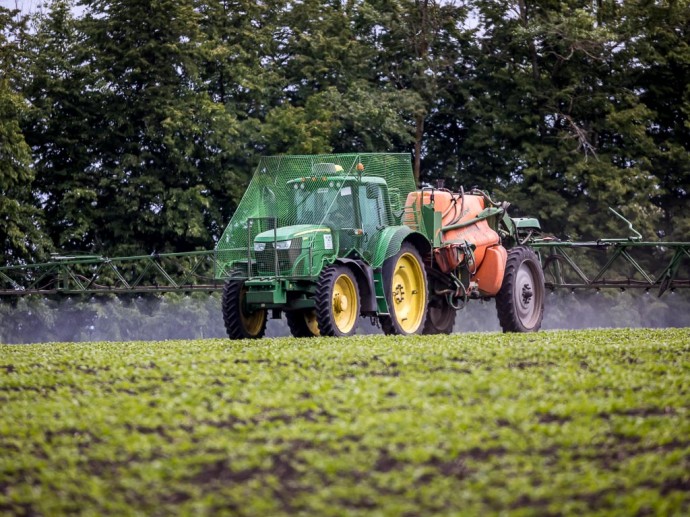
337,302
405,287
303,323
520,302
240,323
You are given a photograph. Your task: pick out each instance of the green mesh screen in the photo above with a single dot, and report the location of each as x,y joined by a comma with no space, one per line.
325,195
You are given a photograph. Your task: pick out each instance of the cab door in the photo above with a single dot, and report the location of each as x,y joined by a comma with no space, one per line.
372,210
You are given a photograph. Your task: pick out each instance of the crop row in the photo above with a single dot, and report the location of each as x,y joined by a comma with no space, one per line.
555,422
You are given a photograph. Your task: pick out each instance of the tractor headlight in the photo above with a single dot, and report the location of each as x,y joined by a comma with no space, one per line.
283,245
259,246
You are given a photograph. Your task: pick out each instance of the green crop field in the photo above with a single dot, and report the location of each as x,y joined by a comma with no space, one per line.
594,422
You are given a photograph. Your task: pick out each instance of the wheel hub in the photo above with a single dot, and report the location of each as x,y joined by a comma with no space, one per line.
526,294
312,322
399,293
340,302
344,306
527,298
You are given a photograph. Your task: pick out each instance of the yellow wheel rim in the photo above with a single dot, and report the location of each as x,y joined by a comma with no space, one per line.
252,322
344,304
312,323
408,292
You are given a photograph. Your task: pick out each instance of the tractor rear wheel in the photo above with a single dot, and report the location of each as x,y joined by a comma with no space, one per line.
303,323
520,302
337,302
440,317
405,287
241,323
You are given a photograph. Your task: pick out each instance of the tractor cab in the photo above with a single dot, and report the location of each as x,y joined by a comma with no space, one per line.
336,213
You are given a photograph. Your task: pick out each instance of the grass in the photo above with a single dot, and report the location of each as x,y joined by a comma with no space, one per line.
592,422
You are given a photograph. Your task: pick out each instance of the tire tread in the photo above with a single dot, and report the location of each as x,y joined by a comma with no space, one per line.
230,306
505,306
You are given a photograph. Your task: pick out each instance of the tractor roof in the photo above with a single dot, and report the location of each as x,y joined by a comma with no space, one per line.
339,180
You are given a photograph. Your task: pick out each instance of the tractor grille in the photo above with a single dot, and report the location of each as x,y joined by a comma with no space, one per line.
266,260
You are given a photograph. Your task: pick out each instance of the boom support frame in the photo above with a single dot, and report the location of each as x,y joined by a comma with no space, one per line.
196,271
557,260
165,272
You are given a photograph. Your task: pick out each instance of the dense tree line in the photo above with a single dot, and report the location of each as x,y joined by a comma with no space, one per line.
134,126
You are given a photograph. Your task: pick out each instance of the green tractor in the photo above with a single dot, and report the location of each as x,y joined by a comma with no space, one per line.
332,238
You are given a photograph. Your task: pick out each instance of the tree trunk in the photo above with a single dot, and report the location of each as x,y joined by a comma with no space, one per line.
419,135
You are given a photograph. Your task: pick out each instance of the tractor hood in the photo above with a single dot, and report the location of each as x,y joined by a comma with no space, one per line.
292,232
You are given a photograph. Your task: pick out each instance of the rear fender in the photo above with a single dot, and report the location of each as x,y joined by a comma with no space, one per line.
389,241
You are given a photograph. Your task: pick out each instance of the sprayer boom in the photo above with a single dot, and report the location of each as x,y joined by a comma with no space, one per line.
192,271
560,263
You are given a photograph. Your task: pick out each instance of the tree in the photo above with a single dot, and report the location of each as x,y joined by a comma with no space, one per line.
549,120
59,127
241,70
425,51
144,120
333,57
655,64
20,222
159,141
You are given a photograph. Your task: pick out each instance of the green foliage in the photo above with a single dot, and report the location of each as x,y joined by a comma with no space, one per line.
58,127
335,68
658,67
558,422
161,143
425,49
20,233
567,137
297,130
135,126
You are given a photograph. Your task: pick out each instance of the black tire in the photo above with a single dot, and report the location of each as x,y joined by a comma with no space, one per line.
335,291
398,296
520,301
440,317
239,323
303,323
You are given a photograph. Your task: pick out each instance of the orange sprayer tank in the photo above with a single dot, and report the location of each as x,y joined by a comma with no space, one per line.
489,276
450,205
